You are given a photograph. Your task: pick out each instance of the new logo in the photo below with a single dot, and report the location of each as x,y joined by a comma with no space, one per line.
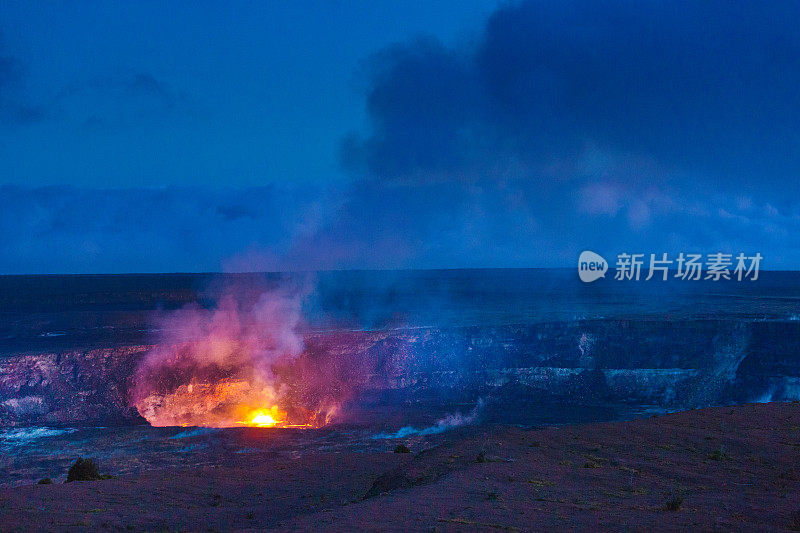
591,266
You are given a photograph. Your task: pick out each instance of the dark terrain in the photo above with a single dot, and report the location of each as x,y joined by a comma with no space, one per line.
503,353
726,469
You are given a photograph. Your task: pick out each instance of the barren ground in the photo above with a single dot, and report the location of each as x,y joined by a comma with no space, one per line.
728,468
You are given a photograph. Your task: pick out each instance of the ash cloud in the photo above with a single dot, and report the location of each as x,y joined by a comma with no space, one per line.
662,126
706,86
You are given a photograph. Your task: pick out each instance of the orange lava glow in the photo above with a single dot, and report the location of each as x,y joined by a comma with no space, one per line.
242,364
262,419
227,403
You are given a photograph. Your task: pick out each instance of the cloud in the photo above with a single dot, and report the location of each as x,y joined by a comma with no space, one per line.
109,102
98,103
372,225
14,107
570,124
614,126
68,229
708,87
419,103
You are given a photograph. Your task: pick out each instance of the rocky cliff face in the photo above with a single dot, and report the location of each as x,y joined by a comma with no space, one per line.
670,364
69,387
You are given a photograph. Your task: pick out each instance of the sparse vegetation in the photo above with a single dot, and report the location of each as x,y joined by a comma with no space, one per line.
794,522
85,470
401,448
45,481
541,482
674,503
481,458
718,455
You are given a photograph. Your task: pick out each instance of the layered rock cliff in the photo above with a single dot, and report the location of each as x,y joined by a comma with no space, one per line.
672,364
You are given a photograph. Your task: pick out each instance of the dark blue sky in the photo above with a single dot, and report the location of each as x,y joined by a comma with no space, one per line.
126,94
309,135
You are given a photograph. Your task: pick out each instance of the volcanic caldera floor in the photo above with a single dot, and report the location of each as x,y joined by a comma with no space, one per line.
725,468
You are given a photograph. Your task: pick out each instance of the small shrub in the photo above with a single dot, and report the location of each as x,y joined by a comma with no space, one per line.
674,503
794,522
401,448
718,455
481,458
83,470
45,481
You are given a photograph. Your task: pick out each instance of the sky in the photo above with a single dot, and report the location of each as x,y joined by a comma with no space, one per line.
230,136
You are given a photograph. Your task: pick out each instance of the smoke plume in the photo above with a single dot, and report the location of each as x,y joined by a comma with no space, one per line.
236,364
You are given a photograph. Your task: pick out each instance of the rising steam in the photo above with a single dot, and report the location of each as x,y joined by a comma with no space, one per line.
231,366
451,421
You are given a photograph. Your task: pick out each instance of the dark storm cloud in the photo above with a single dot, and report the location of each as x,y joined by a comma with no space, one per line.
703,86
422,96
649,126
